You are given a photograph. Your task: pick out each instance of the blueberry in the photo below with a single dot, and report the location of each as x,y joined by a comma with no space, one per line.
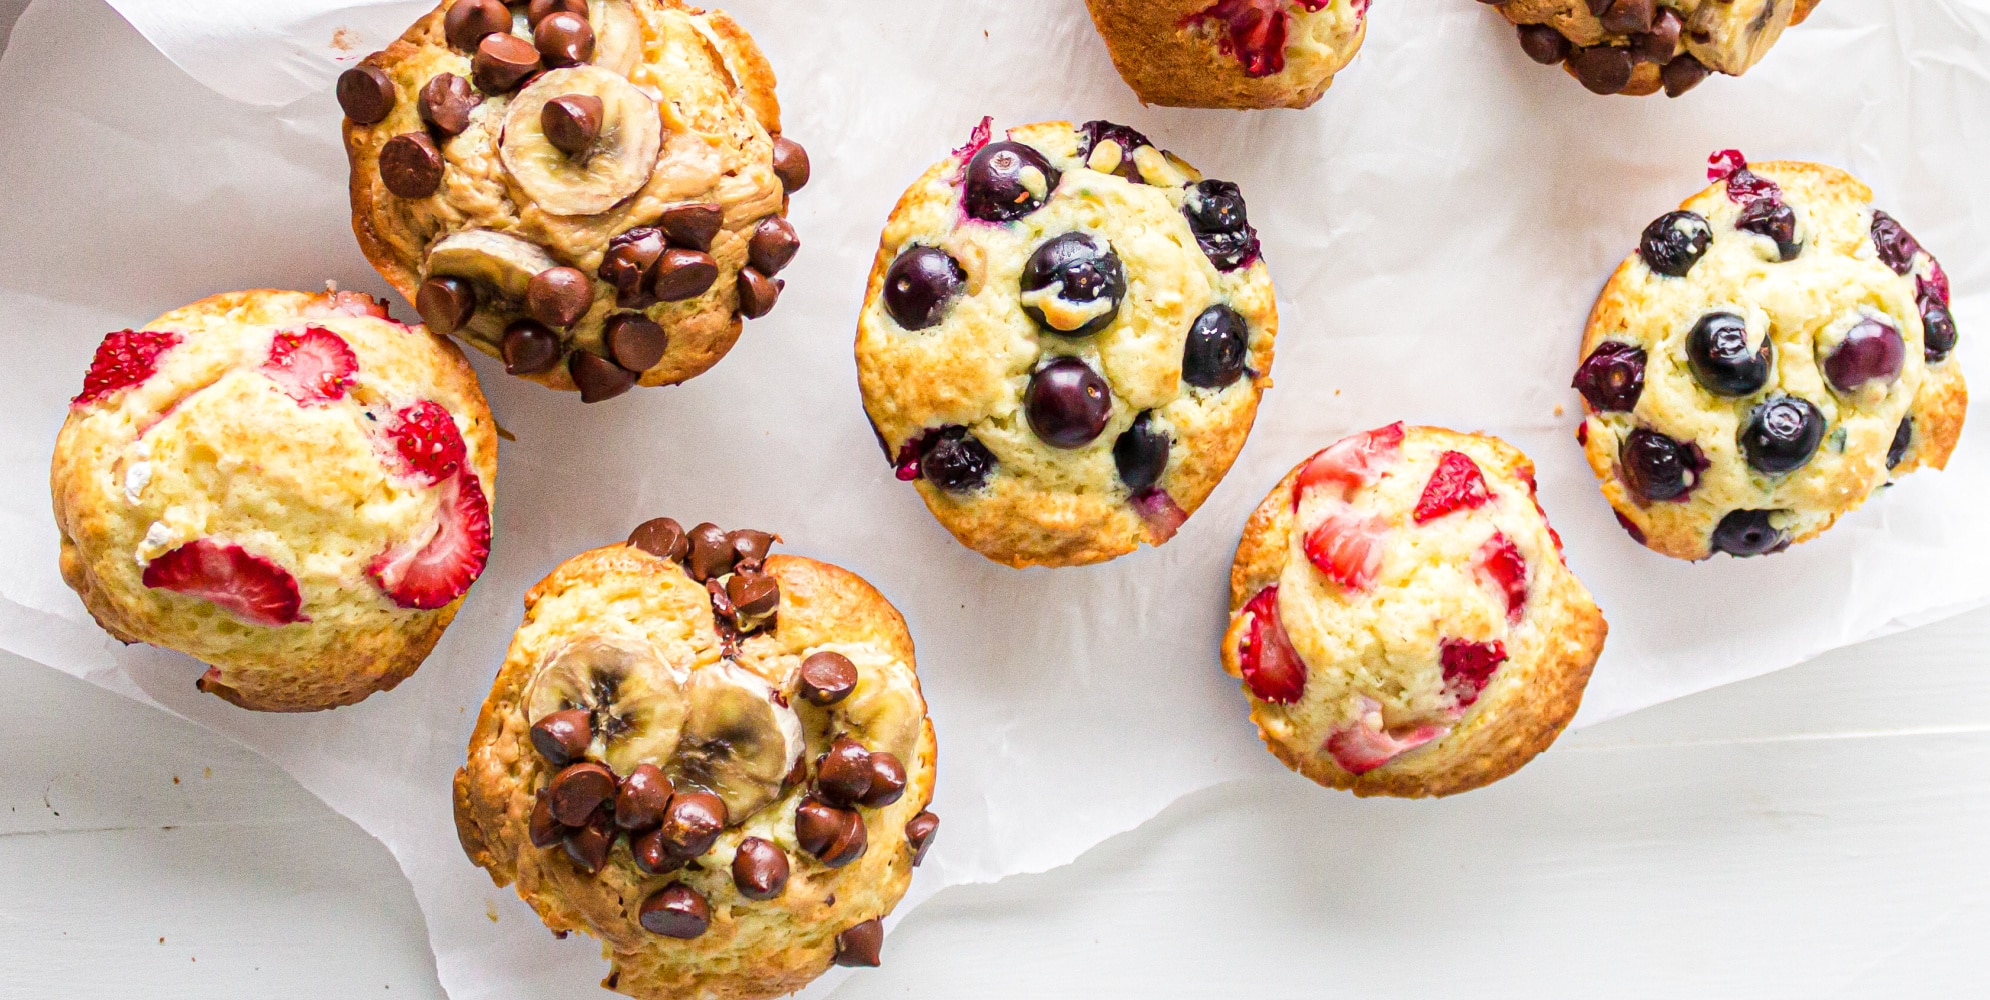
1937,329
1218,343
1872,351
1006,181
1087,271
1096,132
1745,533
1216,214
1896,247
1717,351
1141,453
1674,242
1770,217
1612,377
920,285
1901,439
1781,434
955,461
1067,403
1658,468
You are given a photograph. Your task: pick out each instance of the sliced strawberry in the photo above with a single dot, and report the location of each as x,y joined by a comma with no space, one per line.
315,366
348,304
1363,745
976,139
1347,547
1352,462
438,567
1456,485
1162,514
1534,494
1253,31
1270,665
426,438
1468,667
251,588
1501,563
1723,163
125,358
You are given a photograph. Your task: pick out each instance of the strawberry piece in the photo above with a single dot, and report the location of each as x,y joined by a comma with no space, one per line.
976,139
1468,667
1270,665
124,359
1501,563
1352,462
1723,163
1253,31
315,366
349,304
1161,513
247,586
1347,547
1936,283
1363,745
1456,485
437,568
426,438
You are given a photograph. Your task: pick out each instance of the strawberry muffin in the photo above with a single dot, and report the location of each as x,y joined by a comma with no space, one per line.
593,191
1230,53
1640,47
291,488
1402,618
1774,353
1064,341
715,760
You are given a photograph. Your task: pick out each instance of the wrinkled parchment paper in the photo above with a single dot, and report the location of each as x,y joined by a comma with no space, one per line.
1437,226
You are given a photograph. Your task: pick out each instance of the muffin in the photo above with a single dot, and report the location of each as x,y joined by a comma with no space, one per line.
715,760
1639,47
1771,355
1402,618
593,191
1230,53
293,489
1064,340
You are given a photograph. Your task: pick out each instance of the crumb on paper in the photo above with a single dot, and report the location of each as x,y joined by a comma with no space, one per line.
1558,409
207,772
490,910
345,39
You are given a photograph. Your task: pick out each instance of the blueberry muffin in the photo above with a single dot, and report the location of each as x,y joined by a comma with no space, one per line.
1639,47
1774,352
1230,53
715,760
1402,618
1064,340
593,191
293,489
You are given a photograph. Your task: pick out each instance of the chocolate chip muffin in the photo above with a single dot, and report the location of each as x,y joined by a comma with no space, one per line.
1230,53
593,191
291,488
1774,353
714,759
1402,618
1640,47
1064,340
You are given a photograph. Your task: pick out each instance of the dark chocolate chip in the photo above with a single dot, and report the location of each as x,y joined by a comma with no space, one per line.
858,946
759,869
446,102
598,378
684,274
572,123
589,845
1660,43
662,537
757,293
502,62
366,93
529,348
919,832
750,546
753,594
630,258
643,798
635,340
773,245
564,38
562,737
445,303
559,296
1629,17
537,10
827,677
712,555
843,774
675,911
1682,74
468,21
410,165
692,823
887,781
838,835
543,830
653,853
1604,69
1543,44
579,790
692,226
790,164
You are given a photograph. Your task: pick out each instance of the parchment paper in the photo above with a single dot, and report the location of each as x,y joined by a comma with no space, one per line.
1437,226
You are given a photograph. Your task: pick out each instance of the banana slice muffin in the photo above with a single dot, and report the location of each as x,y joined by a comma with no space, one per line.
1230,53
1402,618
713,759
593,191
1064,340
291,488
1774,353
1639,47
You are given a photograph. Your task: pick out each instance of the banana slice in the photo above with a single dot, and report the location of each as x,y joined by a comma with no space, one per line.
885,710
1739,33
638,700
739,741
618,35
500,266
618,166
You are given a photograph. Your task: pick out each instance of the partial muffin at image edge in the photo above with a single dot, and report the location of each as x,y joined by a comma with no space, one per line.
714,759
592,191
291,488
1230,53
1402,618
1640,47
1063,341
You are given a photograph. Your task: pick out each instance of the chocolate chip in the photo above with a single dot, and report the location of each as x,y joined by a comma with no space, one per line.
919,832
636,342
753,594
598,378
843,774
653,853
662,537
366,93
529,348
542,828
711,553
537,10
887,781
1543,44
410,165
1597,7
835,836
565,39
446,102
627,264
683,274
827,677
579,790
588,845
643,798
445,303
468,21
559,296
1604,69
798,773
773,245
858,946
790,164
757,293
1629,17
750,546
562,737
502,62
1682,74
572,123
692,226
692,823
675,911
759,869
1660,43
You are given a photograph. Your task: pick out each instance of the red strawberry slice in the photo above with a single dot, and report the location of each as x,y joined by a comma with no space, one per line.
1456,485
1352,462
1161,513
1501,563
1468,667
315,366
438,567
124,359
1363,745
426,438
1534,494
1254,31
976,139
1347,547
349,304
251,588
1270,665
1723,163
